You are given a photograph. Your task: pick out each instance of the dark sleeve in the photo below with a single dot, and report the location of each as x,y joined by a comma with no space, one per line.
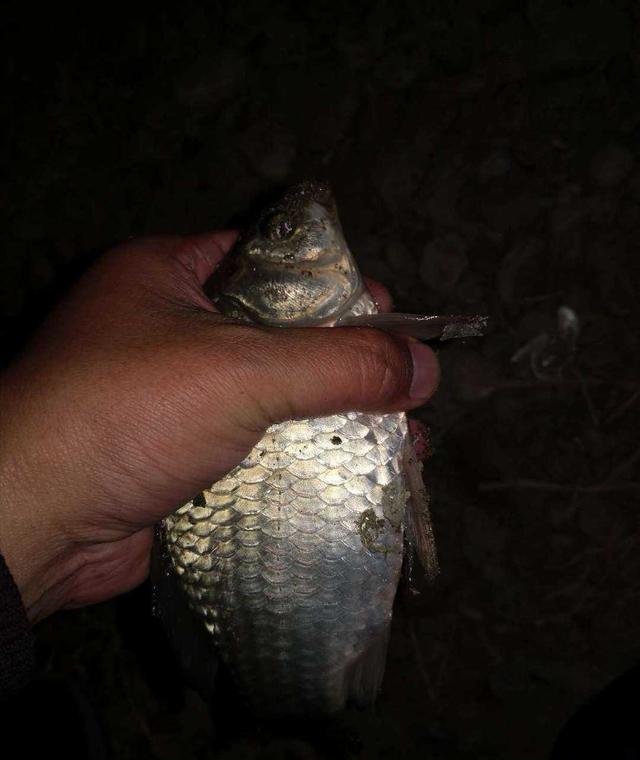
16,640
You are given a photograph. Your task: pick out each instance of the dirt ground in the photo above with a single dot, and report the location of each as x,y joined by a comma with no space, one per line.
484,156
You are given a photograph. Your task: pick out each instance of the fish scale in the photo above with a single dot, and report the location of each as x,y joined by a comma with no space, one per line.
292,560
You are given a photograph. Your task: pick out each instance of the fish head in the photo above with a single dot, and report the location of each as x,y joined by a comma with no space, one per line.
292,266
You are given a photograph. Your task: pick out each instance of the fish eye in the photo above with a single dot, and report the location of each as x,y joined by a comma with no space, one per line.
278,226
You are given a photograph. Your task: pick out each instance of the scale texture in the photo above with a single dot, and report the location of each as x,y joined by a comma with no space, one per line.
293,559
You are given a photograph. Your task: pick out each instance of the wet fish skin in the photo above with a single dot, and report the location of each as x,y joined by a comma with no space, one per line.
292,560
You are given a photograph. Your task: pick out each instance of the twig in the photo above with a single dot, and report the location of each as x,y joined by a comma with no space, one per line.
542,485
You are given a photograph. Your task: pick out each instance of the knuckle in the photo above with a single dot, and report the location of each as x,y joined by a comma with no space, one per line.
386,366
252,366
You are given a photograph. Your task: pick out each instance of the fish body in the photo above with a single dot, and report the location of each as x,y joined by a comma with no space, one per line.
291,562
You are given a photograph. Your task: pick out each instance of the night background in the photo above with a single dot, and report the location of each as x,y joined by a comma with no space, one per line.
485,160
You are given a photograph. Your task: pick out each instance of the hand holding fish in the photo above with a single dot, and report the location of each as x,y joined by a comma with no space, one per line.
137,394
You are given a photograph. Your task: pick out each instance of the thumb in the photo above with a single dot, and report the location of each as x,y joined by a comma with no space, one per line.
296,373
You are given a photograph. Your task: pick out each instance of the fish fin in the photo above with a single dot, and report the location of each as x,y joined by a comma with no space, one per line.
421,326
192,644
418,525
365,674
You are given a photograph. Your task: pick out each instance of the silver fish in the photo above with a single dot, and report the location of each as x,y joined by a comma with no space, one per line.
291,561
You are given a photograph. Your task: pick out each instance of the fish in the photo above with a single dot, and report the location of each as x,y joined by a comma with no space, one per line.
290,563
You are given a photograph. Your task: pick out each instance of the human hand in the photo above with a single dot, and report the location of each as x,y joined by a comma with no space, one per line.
136,394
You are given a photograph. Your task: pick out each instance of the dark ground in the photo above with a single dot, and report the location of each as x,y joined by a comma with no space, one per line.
485,160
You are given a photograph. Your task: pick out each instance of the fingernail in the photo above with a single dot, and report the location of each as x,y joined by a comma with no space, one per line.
426,372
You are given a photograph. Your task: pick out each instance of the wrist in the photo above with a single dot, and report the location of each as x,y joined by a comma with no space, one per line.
39,564
37,556
42,586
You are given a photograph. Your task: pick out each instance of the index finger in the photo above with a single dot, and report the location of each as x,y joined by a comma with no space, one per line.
202,253
379,293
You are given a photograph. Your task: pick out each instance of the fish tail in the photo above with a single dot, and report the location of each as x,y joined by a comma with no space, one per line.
363,678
